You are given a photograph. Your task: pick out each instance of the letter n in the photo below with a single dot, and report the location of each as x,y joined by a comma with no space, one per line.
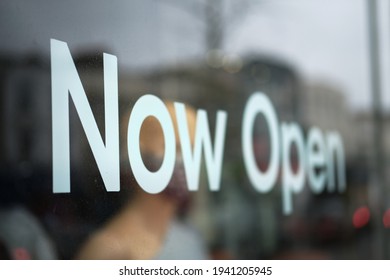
66,81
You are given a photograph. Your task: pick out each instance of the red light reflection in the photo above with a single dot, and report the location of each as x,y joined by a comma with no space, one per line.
361,217
386,219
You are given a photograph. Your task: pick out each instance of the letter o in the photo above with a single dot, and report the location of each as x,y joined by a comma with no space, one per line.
260,103
151,182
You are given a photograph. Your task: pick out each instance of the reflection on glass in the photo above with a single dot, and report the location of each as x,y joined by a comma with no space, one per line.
210,55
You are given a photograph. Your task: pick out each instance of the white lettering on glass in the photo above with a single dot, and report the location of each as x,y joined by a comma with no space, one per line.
335,154
146,106
259,103
320,158
292,182
65,82
192,160
316,160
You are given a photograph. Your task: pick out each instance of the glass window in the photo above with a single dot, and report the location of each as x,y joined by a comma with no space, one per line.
194,129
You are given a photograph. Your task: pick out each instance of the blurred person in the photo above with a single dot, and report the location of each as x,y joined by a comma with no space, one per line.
23,236
148,226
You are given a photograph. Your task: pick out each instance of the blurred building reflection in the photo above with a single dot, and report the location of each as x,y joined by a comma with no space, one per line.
237,221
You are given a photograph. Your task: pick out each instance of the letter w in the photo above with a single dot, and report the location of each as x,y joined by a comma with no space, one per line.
65,80
213,159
